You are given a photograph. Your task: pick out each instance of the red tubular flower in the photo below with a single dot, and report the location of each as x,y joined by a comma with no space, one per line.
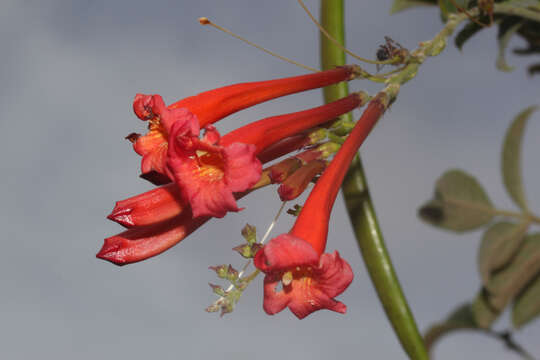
211,106
309,277
281,171
312,223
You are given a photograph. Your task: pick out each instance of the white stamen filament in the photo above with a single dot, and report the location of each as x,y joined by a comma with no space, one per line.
206,21
264,238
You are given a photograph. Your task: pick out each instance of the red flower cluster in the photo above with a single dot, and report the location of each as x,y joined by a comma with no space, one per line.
203,174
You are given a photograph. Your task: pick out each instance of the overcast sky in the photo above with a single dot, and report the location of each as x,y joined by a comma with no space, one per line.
69,71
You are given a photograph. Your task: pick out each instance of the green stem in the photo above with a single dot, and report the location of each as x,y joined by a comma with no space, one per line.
360,206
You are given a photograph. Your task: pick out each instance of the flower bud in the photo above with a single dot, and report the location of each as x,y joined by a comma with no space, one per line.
295,184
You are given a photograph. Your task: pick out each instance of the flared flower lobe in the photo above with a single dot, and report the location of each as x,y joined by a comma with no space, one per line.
208,174
153,145
309,281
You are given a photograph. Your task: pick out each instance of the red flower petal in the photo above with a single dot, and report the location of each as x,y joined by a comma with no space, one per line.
285,252
274,301
243,169
155,160
145,144
306,297
142,106
336,274
203,185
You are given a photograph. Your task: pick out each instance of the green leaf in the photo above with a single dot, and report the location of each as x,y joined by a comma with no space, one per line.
499,244
511,158
527,304
461,318
459,203
508,282
466,33
400,5
484,314
505,34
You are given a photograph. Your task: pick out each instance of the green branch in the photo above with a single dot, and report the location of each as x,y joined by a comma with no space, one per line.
360,206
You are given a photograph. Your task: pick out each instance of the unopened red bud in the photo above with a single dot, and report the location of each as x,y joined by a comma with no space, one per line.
309,155
284,147
295,184
149,208
281,171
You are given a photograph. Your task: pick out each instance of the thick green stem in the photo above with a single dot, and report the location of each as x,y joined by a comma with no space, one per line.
360,206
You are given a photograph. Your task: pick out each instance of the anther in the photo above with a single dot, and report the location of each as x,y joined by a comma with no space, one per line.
287,278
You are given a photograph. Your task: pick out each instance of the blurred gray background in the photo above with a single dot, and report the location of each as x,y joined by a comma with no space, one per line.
69,71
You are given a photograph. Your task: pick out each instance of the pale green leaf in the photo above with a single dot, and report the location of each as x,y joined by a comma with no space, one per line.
511,157
509,281
459,203
400,5
460,319
499,244
503,41
527,304
484,314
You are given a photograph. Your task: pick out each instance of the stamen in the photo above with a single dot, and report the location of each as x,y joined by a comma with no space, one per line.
331,38
206,21
287,278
